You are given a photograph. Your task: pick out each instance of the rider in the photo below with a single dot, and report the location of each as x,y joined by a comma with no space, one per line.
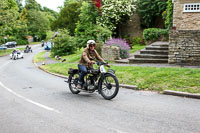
87,60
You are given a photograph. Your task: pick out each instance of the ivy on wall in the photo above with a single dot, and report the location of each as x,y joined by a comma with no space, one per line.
168,15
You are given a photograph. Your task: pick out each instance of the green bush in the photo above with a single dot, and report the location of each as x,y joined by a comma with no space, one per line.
21,42
150,9
64,44
87,28
153,34
138,41
11,38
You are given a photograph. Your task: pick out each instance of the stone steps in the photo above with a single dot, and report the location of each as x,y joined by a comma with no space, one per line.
151,56
155,53
147,60
156,48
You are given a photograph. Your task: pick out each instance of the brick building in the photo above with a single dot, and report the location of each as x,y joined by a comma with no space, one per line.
184,43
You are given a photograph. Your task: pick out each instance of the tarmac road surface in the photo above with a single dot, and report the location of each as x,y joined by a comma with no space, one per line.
32,101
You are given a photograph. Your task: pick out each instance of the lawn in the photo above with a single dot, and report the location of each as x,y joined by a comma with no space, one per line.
136,48
39,57
71,58
147,78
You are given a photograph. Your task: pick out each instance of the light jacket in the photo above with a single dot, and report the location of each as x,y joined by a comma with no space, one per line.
89,55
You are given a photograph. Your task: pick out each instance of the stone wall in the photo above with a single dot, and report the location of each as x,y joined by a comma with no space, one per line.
185,20
110,53
184,47
132,27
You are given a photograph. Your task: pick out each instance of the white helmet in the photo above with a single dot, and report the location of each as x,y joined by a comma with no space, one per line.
89,42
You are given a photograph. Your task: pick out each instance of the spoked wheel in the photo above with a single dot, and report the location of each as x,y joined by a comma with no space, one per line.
73,82
109,86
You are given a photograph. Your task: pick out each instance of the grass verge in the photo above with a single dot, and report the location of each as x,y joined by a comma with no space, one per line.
147,78
39,57
136,48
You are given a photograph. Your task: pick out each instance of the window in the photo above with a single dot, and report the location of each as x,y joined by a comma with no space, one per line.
193,7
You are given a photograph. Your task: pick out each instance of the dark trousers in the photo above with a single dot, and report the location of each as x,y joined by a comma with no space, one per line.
83,70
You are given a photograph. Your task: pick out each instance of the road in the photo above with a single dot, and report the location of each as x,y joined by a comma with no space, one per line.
33,101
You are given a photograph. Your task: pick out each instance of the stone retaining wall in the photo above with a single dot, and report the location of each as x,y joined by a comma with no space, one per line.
110,53
184,47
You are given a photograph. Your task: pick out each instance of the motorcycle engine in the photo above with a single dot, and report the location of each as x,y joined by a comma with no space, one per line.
90,86
90,83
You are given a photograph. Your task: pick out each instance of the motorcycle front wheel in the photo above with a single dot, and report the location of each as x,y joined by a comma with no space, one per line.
109,86
73,82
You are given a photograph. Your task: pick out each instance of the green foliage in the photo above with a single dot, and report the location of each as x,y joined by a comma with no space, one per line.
149,10
37,24
32,5
168,15
87,28
64,44
155,33
138,41
114,12
68,17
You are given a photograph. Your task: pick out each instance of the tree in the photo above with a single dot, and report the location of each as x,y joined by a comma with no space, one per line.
8,16
32,4
87,28
37,23
149,10
19,4
114,12
68,17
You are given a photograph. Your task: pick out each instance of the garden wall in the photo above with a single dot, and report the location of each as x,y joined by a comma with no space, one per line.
110,53
184,47
132,27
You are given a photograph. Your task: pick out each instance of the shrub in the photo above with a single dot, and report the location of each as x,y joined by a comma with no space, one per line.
21,42
64,44
87,29
138,41
154,34
149,10
122,44
114,12
128,40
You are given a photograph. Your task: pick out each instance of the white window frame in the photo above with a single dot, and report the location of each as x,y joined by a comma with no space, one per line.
191,7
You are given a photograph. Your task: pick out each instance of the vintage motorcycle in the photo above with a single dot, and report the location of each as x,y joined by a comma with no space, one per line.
100,80
16,54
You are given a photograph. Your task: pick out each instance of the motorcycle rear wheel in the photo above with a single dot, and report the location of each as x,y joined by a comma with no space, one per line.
73,82
109,86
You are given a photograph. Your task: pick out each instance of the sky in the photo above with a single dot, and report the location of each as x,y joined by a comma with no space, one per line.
52,4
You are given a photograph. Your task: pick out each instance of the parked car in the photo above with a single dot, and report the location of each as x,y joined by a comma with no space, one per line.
10,44
3,47
48,46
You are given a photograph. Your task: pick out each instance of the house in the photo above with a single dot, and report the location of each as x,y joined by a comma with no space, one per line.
184,42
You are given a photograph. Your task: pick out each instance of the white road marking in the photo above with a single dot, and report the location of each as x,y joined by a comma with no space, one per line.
28,100
24,98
